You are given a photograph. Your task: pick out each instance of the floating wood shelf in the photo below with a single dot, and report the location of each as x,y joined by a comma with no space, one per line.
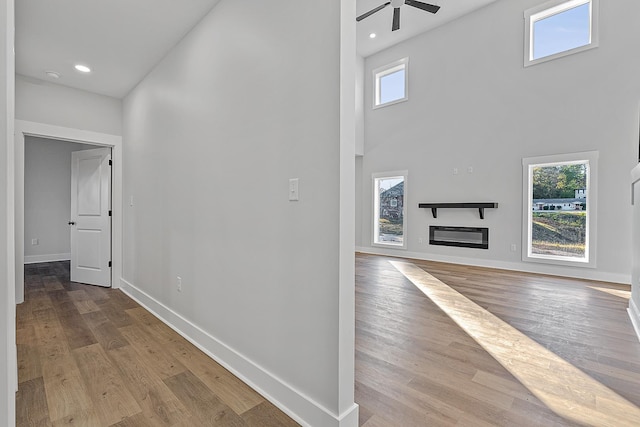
480,206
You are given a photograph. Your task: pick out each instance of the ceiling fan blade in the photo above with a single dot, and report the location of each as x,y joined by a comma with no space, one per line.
424,6
372,11
396,19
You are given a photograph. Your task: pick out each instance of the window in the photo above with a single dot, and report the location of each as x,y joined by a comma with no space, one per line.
390,83
389,221
559,205
559,28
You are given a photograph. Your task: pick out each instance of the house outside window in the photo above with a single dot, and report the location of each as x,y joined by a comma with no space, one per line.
389,219
559,205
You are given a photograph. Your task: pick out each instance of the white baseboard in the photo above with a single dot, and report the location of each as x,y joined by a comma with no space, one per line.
294,403
573,272
33,259
634,314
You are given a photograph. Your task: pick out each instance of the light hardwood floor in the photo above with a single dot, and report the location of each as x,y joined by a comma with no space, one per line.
416,367
91,356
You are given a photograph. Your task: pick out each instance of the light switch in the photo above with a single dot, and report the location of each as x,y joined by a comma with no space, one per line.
293,189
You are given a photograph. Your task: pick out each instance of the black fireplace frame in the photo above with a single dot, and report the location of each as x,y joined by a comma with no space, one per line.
483,230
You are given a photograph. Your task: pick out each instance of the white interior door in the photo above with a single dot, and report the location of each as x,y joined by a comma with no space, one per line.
91,217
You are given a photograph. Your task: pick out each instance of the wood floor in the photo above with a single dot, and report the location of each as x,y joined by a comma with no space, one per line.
91,356
416,367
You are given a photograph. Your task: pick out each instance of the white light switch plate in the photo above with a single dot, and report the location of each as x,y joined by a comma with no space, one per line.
293,189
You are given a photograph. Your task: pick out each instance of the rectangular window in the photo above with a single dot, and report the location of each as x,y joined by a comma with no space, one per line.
559,28
390,83
389,220
560,200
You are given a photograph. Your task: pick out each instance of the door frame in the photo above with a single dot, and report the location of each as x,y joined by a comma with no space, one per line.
41,130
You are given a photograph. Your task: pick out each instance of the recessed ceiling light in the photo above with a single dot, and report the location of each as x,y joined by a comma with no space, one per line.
372,35
82,68
52,74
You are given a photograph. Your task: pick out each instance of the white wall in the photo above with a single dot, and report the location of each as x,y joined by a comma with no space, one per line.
249,99
360,105
8,364
44,102
47,201
471,103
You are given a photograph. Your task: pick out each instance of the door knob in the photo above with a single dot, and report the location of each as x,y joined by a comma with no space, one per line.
72,223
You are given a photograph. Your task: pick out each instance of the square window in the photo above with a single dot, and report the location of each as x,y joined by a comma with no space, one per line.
560,28
390,83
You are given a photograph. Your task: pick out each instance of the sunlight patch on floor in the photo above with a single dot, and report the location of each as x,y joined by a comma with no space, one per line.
565,389
615,292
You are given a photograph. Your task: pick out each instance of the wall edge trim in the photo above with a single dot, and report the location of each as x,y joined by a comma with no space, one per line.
634,315
536,268
34,259
294,403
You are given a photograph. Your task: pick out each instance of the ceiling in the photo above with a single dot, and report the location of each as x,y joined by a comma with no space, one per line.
412,21
122,40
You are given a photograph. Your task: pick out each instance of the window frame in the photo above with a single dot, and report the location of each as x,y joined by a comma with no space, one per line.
528,164
385,70
376,209
554,7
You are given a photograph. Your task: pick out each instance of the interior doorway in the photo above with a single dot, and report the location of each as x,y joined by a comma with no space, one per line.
67,200
24,130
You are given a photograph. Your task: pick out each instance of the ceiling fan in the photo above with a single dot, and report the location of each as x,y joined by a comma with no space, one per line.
396,10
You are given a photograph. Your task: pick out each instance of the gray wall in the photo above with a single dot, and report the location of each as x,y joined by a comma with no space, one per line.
249,99
43,102
47,198
7,298
472,103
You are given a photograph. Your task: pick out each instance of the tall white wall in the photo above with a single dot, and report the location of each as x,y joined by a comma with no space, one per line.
472,103
249,99
47,202
44,102
8,364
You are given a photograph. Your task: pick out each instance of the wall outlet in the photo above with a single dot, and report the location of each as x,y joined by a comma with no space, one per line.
470,169
35,242
455,171
179,283
514,247
421,240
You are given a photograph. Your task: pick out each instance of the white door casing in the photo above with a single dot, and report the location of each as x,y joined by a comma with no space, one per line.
90,220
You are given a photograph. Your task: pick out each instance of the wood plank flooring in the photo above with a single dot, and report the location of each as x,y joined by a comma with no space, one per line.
416,367
90,356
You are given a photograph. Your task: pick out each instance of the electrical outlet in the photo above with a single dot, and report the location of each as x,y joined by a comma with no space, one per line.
514,247
179,283
35,242
455,171
470,169
421,240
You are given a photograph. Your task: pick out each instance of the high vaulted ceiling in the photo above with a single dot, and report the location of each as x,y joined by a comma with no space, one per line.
122,40
412,21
